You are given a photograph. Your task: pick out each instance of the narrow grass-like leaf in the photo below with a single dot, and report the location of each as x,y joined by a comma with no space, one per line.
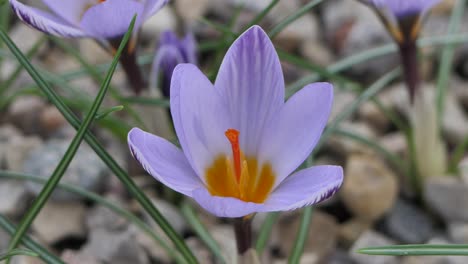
45,255
417,250
109,111
445,67
265,232
201,231
104,202
302,235
293,17
100,151
16,252
158,102
59,171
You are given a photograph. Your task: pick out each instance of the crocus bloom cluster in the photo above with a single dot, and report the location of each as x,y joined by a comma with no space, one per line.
241,143
403,17
101,19
171,52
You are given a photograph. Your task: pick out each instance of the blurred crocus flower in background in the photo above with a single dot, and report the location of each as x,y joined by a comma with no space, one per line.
171,51
241,143
403,20
104,20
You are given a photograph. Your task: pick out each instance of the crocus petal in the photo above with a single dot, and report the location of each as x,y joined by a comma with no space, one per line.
252,85
153,6
45,22
305,187
163,161
111,19
189,48
200,118
70,11
224,206
290,137
404,7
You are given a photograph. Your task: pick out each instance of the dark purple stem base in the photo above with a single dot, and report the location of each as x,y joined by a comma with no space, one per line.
409,60
128,61
243,231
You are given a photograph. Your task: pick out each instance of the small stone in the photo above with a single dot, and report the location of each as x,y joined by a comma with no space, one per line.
17,150
342,100
57,221
118,247
92,52
374,116
458,232
447,196
322,235
164,20
351,230
372,239
51,119
73,257
408,224
102,217
154,250
316,52
86,170
340,257
24,112
170,212
454,121
190,16
346,146
4,240
228,246
370,188
12,197
395,143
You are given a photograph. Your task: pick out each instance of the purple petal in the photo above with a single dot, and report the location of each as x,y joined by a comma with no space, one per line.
163,161
224,206
305,187
45,22
251,82
199,116
292,135
111,19
153,6
70,11
401,8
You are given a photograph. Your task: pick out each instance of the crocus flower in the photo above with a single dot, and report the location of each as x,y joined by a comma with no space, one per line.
104,20
403,17
241,143
172,51
101,19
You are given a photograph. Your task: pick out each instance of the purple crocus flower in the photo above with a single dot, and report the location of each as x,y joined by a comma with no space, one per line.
171,52
241,143
101,19
403,17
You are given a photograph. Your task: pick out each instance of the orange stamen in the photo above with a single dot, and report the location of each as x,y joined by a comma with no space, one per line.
233,137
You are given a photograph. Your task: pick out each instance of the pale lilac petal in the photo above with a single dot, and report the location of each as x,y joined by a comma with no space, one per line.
111,19
401,8
199,116
305,187
224,206
45,22
252,85
163,161
293,134
70,10
153,6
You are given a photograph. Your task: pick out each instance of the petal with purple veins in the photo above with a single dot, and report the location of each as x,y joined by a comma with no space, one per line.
163,161
252,85
70,10
292,135
45,22
111,19
305,187
200,117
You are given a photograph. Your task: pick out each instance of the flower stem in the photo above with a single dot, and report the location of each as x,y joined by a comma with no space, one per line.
409,61
243,231
128,61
